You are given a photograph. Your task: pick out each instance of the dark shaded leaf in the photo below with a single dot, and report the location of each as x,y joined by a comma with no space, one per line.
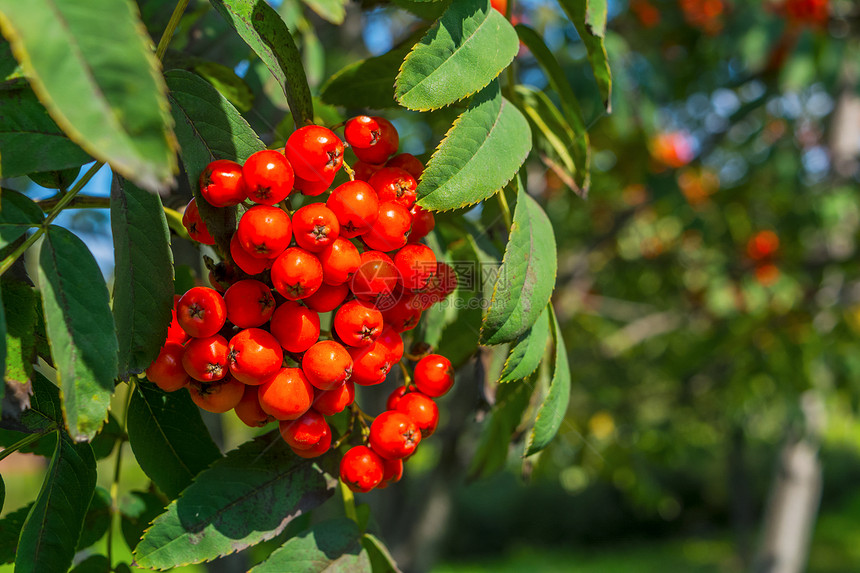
247,497
97,520
331,546
265,32
93,564
80,328
18,213
30,139
591,28
10,531
53,527
511,402
168,437
143,275
107,437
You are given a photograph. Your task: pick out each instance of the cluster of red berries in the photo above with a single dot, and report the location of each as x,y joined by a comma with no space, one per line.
253,343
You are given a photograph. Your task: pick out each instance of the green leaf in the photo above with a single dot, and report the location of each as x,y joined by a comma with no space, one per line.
492,452
228,84
527,276
2,493
331,546
265,32
143,276
107,437
462,53
2,355
332,11
591,28
30,139
575,135
553,137
10,531
138,509
53,527
527,352
209,128
80,328
18,213
168,438
91,64
97,520
481,153
248,496
552,411
62,179
368,82
381,560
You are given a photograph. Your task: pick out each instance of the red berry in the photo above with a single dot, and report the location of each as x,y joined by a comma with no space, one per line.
394,435
201,312
249,410
255,355
370,364
297,328
423,411
327,298
361,131
361,469
246,261
423,222
327,365
391,228
440,285
286,395
393,343
222,185
314,187
392,471
331,402
408,163
384,146
339,262
249,303
394,397
315,152
166,370
264,231
417,265
356,207
434,375
358,323
315,227
297,273
394,184
206,359
217,397
363,170
405,313
376,277
194,224
305,431
268,176
317,449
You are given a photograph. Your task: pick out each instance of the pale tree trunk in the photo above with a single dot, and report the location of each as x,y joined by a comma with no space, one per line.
795,494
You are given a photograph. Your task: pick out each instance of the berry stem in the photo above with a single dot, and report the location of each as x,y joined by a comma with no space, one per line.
349,171
114,486
407,379
506,210
171,27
